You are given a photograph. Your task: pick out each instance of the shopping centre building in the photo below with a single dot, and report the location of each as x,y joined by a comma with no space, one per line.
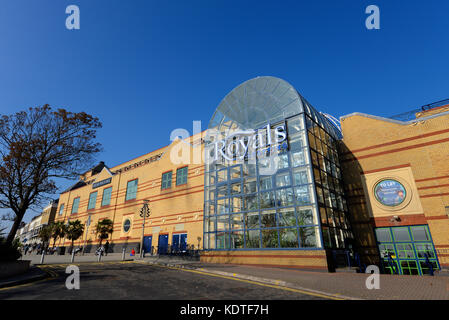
278,183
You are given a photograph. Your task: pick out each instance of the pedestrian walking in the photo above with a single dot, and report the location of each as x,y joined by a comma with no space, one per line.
106,248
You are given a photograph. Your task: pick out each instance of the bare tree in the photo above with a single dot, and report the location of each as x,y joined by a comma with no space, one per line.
37,146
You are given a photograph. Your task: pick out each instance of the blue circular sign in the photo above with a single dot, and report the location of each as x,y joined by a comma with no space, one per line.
126,225
390,192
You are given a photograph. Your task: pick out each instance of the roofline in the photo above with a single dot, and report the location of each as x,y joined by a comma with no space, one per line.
146,154
392,120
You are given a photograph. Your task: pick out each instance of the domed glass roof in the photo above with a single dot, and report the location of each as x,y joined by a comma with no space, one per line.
263,100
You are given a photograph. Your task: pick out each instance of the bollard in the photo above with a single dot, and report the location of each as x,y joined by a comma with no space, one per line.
73,256
42,257
123,254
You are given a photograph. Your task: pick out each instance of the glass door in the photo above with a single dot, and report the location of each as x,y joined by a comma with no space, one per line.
406,250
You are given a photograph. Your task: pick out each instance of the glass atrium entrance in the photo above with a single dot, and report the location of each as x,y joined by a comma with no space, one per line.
272,173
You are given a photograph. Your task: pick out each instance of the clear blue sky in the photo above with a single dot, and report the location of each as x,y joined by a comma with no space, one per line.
147,67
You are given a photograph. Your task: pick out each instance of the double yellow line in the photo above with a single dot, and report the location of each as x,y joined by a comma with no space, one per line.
52,274
315,294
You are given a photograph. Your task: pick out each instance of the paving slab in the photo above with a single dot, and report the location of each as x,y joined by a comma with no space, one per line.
345,285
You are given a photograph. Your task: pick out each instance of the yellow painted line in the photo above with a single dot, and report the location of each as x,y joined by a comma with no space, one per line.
24,285
256,283
52,276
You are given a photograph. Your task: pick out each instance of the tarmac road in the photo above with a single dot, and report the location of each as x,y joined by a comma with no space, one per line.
131,281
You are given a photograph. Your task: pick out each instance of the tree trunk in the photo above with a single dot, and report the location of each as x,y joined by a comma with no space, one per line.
15,227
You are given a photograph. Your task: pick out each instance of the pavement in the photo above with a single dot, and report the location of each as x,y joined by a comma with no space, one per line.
339,285
58,259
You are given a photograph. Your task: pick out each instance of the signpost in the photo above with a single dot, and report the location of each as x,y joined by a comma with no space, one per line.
144,213
87,231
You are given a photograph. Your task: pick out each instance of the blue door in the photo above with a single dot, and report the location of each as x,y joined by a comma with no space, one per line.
179,242
147,244
163,244
175,242
183,242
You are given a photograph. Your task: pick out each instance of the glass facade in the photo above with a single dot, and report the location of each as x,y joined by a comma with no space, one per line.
407,250
272,176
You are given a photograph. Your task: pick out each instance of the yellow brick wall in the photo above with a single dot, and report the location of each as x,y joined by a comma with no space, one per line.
174,210
305,259
376,146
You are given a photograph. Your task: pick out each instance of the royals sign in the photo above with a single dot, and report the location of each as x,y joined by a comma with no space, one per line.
239,144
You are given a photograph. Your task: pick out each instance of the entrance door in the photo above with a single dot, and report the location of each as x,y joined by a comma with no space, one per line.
407,250
147,244
183,242
175,243
179,242
163,244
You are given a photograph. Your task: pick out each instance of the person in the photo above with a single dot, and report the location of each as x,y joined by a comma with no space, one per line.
100,251
106,248
133,253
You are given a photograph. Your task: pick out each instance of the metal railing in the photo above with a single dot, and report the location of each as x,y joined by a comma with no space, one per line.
411,115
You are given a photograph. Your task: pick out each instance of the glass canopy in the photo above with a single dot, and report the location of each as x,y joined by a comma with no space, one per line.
250,204
264,100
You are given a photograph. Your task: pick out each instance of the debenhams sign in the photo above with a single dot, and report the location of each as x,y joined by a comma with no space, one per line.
249,143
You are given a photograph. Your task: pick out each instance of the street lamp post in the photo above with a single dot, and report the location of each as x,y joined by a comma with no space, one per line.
144,213
87,231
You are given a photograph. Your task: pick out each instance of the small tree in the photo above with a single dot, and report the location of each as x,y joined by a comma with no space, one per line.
74,230
58,231
103,229
45,235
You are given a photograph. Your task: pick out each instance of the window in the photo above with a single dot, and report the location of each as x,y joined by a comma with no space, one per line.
181,176
166,180
61,209
92,200
75,205
401,234
126,225
420,233
383,235
131,190
265,183
106,200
